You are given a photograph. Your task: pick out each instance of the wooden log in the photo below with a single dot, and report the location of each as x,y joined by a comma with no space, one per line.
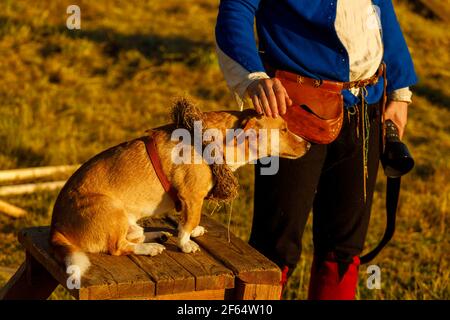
11,210
34,173
30,188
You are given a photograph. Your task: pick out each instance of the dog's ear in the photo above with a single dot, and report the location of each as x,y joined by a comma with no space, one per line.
248,119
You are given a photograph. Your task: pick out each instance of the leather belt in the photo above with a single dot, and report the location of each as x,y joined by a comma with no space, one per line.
331,85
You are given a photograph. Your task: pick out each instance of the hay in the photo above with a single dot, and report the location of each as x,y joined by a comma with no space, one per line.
227,185
184,114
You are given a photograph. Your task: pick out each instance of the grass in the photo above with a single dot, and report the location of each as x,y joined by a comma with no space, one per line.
66,95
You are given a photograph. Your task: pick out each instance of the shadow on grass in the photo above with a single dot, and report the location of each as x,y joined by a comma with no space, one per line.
433,95
153,47
26,156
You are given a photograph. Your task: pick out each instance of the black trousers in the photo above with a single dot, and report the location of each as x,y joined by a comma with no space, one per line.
329,180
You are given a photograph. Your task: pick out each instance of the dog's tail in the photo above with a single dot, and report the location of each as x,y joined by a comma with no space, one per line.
67,253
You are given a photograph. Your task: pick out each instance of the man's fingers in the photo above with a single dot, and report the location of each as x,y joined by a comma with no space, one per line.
252,91
280,95
400,126
256,104
397,111
288,100
268,89
269,97
265,102
401,132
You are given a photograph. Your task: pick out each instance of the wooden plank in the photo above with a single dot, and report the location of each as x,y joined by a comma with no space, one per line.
11,210
169,276
108,277
36,172
251,291
114,277
35,241
195,295
209,273
30,282
30,188
14,285
247,263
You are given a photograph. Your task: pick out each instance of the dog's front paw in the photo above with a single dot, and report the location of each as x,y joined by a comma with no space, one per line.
198,231
149,249
189,247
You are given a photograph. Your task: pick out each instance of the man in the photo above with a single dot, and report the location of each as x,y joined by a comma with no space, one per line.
338,40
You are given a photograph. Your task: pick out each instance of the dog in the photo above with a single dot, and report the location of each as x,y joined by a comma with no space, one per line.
98,208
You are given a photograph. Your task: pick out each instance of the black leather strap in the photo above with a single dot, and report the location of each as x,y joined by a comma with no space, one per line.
392,196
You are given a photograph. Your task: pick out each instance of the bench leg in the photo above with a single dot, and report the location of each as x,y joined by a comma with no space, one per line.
30,282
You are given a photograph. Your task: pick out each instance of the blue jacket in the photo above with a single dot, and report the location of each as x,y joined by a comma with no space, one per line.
299,36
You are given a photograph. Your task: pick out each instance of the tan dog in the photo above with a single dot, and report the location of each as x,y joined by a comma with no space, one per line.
97,209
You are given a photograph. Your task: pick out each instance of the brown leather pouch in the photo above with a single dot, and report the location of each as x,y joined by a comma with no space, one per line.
317,111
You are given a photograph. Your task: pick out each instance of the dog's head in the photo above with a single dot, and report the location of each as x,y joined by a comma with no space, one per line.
276,137
266,136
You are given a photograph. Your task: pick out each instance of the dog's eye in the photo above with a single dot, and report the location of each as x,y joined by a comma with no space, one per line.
284,130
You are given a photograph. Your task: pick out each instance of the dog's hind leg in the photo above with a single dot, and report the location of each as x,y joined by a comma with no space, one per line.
130,240
126,247
135,234
148,249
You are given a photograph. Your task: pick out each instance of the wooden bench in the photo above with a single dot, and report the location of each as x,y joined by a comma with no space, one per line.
221,270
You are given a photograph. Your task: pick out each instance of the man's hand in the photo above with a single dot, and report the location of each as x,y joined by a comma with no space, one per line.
397,111
269,97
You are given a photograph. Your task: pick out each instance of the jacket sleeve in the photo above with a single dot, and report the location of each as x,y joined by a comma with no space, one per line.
235,35
237,78
400,68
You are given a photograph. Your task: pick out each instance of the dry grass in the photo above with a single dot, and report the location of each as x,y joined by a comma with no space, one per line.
66,95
